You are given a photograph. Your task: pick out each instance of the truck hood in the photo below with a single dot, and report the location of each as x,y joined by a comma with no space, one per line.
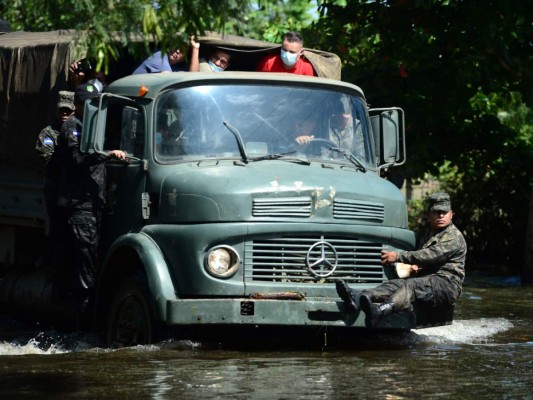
276,191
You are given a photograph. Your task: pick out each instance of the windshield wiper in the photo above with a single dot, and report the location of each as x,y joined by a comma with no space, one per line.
240,143
353,159
277,156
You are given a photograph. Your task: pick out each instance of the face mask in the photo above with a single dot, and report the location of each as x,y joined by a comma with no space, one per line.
214,67
289,59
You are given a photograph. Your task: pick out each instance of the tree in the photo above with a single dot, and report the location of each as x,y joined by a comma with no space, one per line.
270,19
457,72
107,27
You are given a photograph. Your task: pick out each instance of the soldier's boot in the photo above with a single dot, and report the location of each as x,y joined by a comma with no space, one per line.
374,312
349,296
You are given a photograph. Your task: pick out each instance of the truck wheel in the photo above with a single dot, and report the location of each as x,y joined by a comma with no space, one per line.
130,319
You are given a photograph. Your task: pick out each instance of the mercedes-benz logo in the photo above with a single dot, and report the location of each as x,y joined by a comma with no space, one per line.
321,260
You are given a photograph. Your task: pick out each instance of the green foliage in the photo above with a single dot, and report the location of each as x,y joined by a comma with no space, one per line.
463,72
270,19
108,27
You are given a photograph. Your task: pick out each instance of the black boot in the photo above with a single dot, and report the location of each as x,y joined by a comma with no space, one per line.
374,312
349,296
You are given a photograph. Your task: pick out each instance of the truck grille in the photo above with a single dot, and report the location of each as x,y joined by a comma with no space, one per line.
284,260
301,207
360,210
285,207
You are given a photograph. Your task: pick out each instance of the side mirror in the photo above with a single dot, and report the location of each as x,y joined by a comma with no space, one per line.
388,126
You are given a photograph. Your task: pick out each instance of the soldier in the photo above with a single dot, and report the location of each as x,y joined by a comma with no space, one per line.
81,193
437,270
45,145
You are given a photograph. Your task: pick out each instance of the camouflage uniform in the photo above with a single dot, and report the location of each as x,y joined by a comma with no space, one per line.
442,270
81,194
45,147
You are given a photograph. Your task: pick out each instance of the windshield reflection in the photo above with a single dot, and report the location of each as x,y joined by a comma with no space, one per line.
310,123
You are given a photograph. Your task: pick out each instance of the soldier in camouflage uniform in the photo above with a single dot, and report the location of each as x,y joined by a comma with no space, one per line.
81,194
45,147
437,270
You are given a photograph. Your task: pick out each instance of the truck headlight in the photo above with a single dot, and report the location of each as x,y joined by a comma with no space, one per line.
222,261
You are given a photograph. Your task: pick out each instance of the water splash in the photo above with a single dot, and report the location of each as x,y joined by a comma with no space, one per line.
33,346
473,331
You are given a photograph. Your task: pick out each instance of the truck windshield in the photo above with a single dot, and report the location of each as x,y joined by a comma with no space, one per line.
262,122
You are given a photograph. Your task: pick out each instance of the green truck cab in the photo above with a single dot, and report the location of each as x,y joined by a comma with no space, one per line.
244,197
226,218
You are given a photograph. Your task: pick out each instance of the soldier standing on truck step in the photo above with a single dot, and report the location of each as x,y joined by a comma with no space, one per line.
81,194
45,145
437,270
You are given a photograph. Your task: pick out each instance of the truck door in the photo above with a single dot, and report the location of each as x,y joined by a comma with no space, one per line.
124,130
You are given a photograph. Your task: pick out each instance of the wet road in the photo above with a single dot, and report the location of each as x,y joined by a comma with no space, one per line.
486,353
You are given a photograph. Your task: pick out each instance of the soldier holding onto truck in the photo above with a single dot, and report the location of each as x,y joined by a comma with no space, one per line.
45,145
438,269
81,194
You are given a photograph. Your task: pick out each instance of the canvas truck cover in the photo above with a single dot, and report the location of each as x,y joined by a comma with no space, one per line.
34,68
246,53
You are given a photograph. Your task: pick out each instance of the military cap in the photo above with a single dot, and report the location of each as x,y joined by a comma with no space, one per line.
85,91
439,201
66,100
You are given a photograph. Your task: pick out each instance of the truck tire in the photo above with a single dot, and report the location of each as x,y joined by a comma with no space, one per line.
130,320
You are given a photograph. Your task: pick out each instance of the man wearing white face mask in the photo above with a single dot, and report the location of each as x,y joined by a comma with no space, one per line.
217,62
290,58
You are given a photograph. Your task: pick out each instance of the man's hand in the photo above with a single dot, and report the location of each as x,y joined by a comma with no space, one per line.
388,257
76,77
193,43
121,155
304,139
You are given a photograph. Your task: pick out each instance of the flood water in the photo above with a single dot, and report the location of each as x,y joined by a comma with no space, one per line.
486,353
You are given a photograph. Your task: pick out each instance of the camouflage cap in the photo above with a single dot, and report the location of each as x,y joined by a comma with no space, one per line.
66,100
439,201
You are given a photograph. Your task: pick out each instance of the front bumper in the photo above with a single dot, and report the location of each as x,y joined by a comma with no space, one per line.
246,311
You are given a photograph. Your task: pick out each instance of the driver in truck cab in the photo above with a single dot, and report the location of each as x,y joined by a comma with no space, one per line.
344,131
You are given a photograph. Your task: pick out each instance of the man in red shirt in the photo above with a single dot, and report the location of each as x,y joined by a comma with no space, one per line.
290,58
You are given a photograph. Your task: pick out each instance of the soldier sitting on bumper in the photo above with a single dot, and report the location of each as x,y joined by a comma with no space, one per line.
437,270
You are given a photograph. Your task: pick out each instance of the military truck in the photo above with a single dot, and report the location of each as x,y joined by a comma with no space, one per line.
224,216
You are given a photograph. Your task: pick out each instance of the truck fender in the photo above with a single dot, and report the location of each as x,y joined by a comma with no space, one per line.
148,259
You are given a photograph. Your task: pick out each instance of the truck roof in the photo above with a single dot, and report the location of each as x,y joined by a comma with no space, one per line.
130,85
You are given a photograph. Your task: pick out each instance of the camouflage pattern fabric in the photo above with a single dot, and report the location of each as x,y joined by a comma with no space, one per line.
83,176
443,254
433,290
81,194
442,262
46,141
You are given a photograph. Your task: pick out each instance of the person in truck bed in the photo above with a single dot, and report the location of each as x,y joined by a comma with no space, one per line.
172,61
437,270
289,59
